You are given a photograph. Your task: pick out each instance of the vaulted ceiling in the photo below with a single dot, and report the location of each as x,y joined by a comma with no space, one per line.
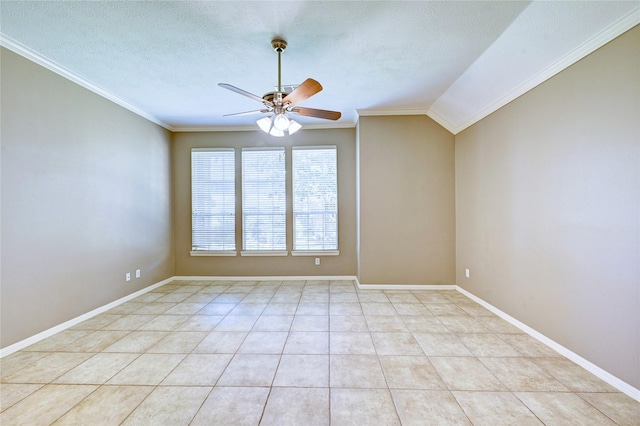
454,61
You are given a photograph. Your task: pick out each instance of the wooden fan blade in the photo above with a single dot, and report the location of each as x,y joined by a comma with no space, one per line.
246,112
318,113
307,89
244,93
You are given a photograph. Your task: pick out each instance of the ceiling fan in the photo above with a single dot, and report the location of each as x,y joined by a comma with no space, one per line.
280,103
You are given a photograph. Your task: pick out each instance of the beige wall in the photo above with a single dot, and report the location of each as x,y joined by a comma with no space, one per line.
85,199
406,201
344,264
546,204
548,208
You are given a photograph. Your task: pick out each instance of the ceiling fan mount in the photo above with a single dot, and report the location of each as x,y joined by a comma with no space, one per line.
278,45
279,104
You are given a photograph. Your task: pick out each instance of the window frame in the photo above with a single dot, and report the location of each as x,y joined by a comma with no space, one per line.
334,251
253,251
207,252
289,215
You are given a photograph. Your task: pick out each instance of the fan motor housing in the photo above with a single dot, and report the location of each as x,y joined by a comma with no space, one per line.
271,96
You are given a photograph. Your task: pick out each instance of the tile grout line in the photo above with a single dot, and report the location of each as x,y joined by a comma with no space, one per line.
266,401
329,358
165,377
330,321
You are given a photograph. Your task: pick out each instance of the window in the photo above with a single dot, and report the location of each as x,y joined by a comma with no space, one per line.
213,200
315,198
264,200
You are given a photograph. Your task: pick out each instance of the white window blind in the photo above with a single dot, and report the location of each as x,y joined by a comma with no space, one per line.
213,199
264,201
315,198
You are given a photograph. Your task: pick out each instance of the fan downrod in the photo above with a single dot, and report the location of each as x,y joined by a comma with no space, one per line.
278,45
281,102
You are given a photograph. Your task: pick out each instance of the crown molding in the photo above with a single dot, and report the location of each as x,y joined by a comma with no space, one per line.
391,112
383,111
614,30
442,121
47,63
252,128
195,129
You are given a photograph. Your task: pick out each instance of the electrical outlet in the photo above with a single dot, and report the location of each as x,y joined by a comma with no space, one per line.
317,260
137,273
128,276
466,272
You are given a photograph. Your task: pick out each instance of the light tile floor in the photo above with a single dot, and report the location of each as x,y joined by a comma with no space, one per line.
300,353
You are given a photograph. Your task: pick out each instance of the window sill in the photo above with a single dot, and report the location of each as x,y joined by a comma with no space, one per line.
315,253
231,253
264,253
213,253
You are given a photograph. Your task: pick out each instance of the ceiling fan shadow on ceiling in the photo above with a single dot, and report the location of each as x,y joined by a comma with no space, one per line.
279,104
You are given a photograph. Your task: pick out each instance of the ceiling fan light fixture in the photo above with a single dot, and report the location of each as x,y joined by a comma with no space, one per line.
276,132
265,124
272,125
281,121
281,102
294,126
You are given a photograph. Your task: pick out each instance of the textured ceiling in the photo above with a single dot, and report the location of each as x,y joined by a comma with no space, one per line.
454,61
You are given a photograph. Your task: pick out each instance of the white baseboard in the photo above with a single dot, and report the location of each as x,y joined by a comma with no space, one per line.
587,365
268,278
77,320
405,286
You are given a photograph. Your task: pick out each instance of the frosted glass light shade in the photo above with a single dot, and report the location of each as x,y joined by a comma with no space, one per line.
294,126
281,121
265,124
270,125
